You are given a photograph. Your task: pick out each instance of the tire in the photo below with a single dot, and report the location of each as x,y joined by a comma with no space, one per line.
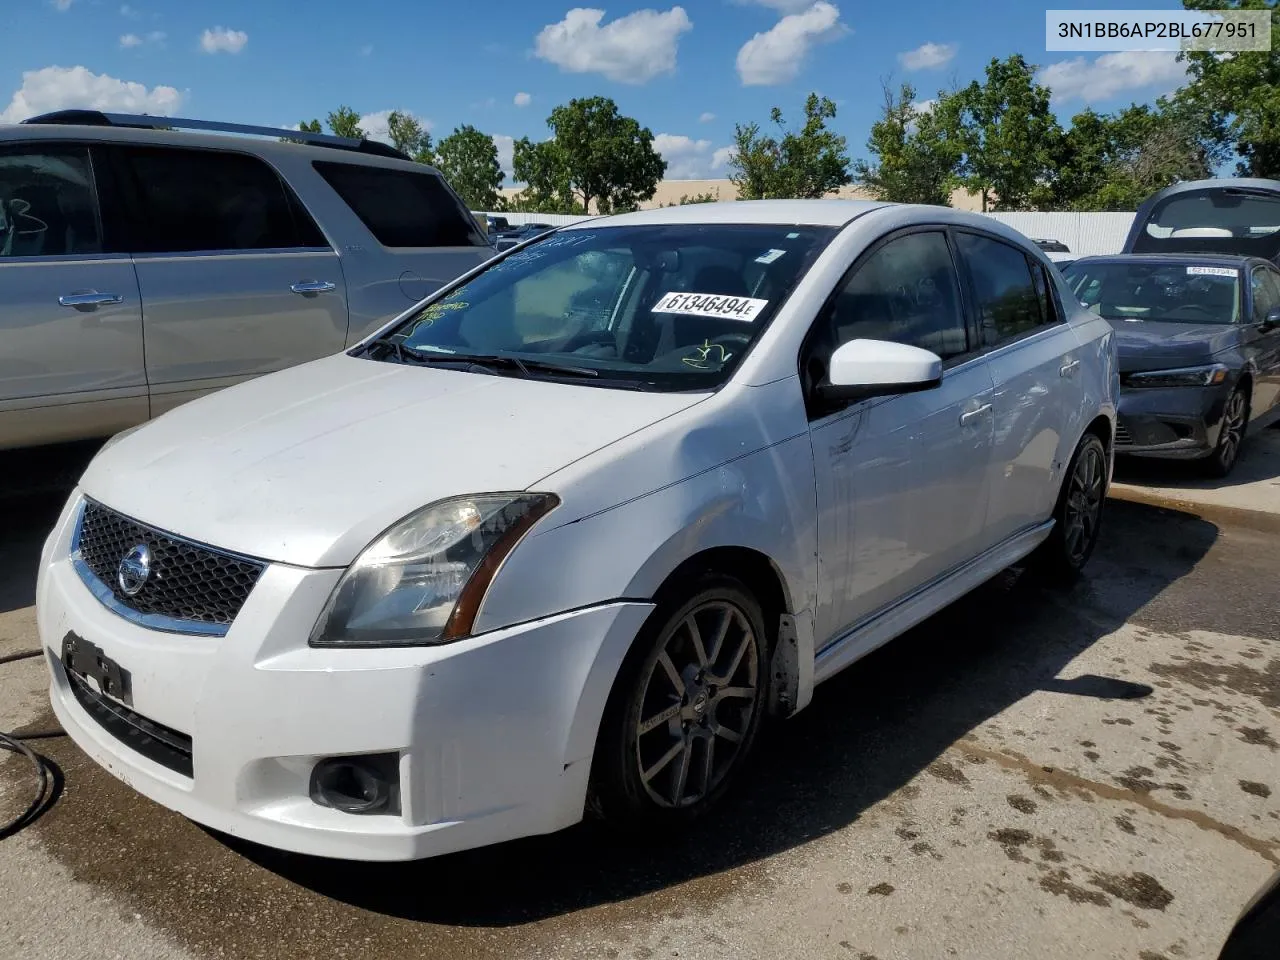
708,732
1235,420
1077,515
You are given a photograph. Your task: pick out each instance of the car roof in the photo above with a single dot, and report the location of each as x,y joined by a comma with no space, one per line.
266,147
830,213
1219,183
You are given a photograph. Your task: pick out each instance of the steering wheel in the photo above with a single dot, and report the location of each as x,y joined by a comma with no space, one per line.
592,338
726,340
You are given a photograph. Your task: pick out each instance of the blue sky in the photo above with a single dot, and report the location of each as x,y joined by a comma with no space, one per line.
687,71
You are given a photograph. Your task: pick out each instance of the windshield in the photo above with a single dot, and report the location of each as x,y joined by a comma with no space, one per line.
666,307
1214,220
1173,292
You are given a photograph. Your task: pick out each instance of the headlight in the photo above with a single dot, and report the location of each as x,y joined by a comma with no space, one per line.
422,581
1206,376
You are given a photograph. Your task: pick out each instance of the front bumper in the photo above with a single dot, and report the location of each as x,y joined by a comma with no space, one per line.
493,734
1172,422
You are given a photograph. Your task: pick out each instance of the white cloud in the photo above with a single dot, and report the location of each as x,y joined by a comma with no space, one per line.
687,159
706,117
60,88
133,13
376,125
222,40
722,157
522,99
506,152
926,106
928,56
777,55
631,49
130,40
1112,73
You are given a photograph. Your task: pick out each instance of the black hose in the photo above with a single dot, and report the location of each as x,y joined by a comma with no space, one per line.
48,778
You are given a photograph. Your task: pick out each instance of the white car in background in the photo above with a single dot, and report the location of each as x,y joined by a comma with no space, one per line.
561,537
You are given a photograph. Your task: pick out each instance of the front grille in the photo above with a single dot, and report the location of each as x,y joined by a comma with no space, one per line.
156,742
1122,436
188,582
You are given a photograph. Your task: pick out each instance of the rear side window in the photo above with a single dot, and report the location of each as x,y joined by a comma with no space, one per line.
403,208
195,200
1009,301
48,206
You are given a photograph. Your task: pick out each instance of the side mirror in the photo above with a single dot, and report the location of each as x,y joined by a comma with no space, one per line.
876,368
1272,321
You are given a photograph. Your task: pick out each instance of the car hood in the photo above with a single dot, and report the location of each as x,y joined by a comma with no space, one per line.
307,466
1152,345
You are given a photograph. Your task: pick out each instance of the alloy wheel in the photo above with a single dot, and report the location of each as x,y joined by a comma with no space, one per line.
698,704
1084,503
1232,432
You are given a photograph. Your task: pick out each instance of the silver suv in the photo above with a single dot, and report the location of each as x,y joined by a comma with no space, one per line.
142,266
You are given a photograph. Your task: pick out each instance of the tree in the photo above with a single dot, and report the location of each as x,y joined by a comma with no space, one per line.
808,163
345,122
1238,95
310,126
409,137
606,157
1007,134
543,169
915,154
469,161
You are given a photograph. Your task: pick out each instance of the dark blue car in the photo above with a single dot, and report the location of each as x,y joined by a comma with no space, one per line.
1198,337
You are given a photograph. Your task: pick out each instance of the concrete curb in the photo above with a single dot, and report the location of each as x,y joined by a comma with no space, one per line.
1261,520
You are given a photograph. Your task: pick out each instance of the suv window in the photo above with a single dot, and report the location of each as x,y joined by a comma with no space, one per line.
1266,292
1009,302
906,291
47,203
403,208
193,200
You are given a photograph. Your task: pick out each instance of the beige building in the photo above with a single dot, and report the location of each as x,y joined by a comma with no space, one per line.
671,191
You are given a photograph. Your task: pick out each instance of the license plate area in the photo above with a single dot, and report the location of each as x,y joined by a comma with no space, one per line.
87,661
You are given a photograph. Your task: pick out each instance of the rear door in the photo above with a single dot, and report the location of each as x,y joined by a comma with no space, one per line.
71,360
1035,361
1265,289
422,236
236,278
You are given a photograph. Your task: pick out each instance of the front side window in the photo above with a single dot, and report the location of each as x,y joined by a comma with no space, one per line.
1170,292
208,200
1008,302
48,206
1266,293
665,307
403,208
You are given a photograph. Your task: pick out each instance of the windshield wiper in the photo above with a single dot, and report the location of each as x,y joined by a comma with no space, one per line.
524,365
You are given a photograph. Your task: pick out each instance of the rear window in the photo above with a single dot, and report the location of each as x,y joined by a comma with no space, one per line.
403,208
1217,220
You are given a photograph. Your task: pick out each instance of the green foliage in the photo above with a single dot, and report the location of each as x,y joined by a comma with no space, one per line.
810,162
469,161
409,137
543,168
345,122
310,126
705,197
606,157
916,153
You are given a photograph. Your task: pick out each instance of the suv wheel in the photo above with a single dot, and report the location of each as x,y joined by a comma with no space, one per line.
1078,514
686,707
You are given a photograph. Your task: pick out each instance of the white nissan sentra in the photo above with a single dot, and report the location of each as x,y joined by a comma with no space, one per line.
560,538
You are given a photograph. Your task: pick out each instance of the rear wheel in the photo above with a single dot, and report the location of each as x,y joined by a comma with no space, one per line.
686,707
1235,419
1078,514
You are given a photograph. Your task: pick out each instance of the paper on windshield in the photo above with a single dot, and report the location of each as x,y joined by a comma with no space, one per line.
745,309
1212,271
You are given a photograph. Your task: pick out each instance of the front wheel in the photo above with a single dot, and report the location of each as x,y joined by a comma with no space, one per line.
1078,513
1235,418
686,706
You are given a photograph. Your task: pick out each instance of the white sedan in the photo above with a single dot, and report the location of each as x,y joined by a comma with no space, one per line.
562,536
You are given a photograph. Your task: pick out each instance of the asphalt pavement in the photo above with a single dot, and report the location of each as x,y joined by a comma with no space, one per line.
1035,772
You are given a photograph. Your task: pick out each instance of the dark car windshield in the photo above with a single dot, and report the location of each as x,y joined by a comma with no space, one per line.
1179,292
1214,220
671,307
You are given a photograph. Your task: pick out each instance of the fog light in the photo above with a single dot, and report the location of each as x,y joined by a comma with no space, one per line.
359,785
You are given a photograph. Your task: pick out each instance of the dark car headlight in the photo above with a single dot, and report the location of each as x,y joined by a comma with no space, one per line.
1208,375
421,582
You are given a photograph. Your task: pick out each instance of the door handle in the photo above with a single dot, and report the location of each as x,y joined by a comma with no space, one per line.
1068,368
310,287
970,415
90,299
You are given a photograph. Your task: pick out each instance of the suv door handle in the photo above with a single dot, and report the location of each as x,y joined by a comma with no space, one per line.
90,299
970,415
309,287
1068,368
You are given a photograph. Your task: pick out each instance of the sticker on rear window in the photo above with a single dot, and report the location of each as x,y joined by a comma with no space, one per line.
745,309
1212,271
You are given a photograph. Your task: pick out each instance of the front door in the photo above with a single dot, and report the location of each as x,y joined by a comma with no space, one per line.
236,279
1264,338
71,362
901,481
